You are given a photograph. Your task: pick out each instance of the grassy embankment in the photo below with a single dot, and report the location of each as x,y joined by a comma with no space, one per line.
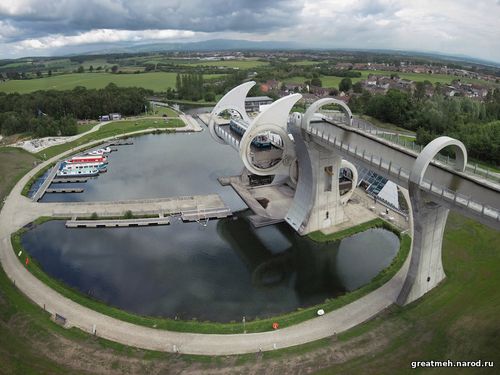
159,81
116,128
14,163
458,320
225,328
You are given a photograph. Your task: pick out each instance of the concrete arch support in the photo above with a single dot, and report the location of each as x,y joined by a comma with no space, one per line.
235,100
429,220
315,107
348,165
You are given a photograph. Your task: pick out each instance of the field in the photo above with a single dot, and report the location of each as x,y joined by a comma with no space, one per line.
14,163
332,81
154,81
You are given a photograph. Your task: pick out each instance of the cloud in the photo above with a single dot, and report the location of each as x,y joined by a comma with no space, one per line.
467,27
70,16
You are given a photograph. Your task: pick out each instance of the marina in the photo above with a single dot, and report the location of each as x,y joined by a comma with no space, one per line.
64,190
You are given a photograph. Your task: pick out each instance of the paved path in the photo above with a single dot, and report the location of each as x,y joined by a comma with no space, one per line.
19,210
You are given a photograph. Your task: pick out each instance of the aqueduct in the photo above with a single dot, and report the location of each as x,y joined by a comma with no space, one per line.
313,150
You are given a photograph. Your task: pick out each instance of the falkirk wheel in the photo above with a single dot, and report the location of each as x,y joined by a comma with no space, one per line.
275,145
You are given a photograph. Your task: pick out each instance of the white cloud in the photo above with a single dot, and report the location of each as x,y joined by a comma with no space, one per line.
469,27
102,36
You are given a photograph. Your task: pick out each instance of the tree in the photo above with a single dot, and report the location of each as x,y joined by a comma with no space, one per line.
345,85
357,87
50,73
209,96
114,68
91,68
316,82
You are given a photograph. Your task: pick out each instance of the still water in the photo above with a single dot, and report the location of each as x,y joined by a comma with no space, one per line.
220,272
162,165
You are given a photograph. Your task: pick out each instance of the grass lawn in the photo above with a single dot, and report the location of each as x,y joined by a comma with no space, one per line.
14,163
82,128
160,111
159,81
260,325
240,64
459,320
113,129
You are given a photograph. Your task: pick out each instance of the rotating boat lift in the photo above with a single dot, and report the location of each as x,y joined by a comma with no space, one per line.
313,154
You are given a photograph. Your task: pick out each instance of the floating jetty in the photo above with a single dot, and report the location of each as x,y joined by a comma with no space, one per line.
64,190
118,142
204,214
69,180
118,223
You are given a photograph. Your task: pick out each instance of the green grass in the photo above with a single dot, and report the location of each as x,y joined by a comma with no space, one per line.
458,320
160,111
319,236
263,325
159,81
333,82
115,128
14,163
82,128
240,64
385,125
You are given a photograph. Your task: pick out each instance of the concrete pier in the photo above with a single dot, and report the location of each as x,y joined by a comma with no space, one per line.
64,190
44,186
118,223
69,180
204,214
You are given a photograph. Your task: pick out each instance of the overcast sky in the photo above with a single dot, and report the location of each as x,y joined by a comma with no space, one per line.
47,27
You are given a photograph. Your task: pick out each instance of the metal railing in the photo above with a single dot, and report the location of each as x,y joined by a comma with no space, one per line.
395,170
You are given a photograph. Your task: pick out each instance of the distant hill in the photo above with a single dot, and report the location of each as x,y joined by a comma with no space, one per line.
206,45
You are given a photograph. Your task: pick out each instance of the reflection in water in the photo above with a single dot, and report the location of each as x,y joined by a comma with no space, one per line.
220,272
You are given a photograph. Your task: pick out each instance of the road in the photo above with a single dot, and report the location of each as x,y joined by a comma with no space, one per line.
19,210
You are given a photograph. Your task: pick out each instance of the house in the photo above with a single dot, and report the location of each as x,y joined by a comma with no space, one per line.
253,103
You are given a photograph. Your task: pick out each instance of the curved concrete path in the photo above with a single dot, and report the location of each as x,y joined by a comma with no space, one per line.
19,210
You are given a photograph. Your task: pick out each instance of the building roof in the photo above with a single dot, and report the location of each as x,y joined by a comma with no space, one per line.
258,99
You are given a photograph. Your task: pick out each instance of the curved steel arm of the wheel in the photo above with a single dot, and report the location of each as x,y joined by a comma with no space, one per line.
234,99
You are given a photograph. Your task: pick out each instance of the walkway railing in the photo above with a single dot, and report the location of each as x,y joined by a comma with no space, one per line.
401,139
395,170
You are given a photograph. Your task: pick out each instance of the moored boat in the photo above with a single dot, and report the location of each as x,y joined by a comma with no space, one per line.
85,172
87,159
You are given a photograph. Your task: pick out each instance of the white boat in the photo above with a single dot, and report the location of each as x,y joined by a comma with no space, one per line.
71,167
86,172
87,159
101,151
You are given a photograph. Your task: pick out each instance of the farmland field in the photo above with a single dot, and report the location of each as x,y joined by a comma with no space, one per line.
332,81
154,81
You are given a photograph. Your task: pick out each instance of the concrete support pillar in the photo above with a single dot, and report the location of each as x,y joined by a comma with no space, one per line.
426,267
327,209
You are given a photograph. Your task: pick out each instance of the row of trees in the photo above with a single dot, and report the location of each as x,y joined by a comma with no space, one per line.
473,122
54,112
